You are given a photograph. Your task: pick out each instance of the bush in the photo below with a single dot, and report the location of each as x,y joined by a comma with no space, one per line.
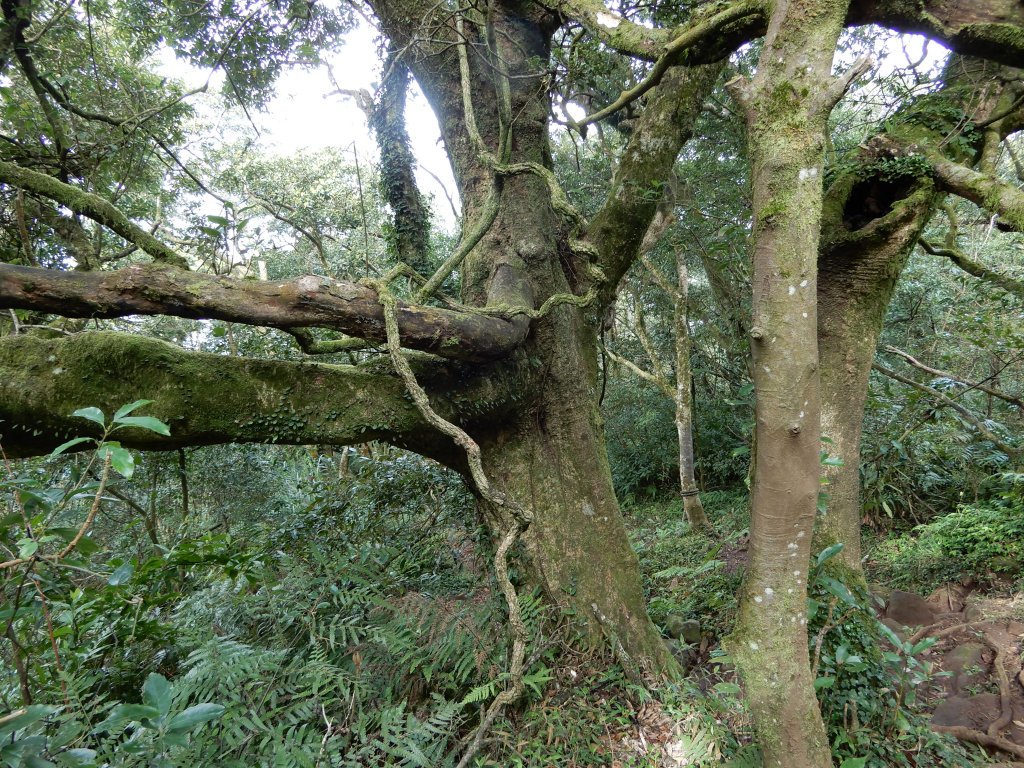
984,540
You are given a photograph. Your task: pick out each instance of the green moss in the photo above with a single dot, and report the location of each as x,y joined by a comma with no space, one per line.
983,37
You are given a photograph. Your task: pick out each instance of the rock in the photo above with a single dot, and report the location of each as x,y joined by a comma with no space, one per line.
949,598
691,631
976,712
967,665
909,609
687,630
973,612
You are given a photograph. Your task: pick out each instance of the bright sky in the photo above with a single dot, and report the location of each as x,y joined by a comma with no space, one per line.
304,115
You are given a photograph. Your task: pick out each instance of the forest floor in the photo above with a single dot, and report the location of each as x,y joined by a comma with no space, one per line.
977,693
967,682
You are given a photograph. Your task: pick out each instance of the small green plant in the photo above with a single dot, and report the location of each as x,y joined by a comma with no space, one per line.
153,729
867,679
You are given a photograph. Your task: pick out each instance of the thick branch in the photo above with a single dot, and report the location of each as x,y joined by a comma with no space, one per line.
307,301
984,28
673,54
209,399
983,190
91,206
976,268
666,124
988,29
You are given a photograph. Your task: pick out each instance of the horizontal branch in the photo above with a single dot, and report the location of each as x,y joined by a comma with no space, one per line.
948,402
304,302
210,399
985,191
981,386
987,29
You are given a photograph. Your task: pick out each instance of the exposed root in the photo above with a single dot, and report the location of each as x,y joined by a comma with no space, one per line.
929,631
983,739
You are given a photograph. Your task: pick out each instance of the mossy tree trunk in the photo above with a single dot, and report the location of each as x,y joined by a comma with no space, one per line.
787,106
875,214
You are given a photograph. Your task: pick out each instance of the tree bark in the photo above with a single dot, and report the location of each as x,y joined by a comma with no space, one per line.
873,219
211,399
692,505
787,107
154,289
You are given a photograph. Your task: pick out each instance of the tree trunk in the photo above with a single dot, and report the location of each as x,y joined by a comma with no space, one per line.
551,456
692,504
787,107
552,459
873,220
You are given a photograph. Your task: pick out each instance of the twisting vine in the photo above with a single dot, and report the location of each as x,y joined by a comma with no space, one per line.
520,516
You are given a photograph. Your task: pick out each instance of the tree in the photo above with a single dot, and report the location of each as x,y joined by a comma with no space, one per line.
509,393
679,386
876,210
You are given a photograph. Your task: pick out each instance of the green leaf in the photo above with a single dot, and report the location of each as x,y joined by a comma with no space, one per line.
21,718
92,414
79,756
839,589
156,692
824,682
923,645
889,635
125,713
121,459
27,548
854,762
86,546
144,422
193,716
828,552
124,410
64,446
121,575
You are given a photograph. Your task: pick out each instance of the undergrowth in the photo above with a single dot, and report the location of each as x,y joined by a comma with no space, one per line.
983,541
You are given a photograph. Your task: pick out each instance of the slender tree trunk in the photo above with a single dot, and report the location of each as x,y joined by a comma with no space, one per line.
692,504
787,107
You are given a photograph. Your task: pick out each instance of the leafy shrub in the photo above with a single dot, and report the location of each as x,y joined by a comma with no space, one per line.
983,540
867,681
